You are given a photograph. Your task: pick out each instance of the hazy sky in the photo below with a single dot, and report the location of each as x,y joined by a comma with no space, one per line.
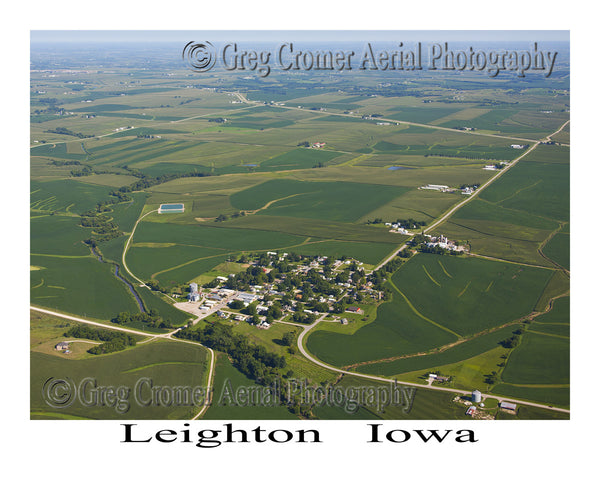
46,36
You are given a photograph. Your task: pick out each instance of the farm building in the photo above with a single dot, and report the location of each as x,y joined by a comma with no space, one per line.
62,346
476,396
440,188
194,296
354,310
508,406
193,287
246,297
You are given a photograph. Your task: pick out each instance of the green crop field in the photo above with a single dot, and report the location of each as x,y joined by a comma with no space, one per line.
557,285
80,286
534,187
470,294
397,330
555,396
558,249
66,196
370,253
460,352
212,236
149,259
539,359
558,315
338,201
166,363
236,151
58,235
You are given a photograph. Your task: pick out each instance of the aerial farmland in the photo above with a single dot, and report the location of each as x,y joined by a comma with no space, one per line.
346,230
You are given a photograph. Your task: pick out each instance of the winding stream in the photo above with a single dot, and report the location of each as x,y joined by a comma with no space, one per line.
131,289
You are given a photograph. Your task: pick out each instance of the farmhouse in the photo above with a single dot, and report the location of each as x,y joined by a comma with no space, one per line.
62,346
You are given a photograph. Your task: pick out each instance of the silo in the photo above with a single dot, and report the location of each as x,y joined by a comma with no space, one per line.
476,396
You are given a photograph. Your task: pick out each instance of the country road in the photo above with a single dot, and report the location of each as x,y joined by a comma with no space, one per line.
469,198
306,329
152,336
301,348
141,282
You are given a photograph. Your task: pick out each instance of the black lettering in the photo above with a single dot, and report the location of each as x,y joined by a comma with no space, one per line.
128,434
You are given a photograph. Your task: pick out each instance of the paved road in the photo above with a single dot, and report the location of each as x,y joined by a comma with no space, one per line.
142,284
308,328
97,324
152,336
469,198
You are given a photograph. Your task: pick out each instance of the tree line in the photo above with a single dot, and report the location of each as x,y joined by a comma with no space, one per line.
112,341
151,318
254,361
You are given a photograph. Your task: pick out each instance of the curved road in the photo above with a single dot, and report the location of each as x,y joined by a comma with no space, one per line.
142,284
307,328
153,336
